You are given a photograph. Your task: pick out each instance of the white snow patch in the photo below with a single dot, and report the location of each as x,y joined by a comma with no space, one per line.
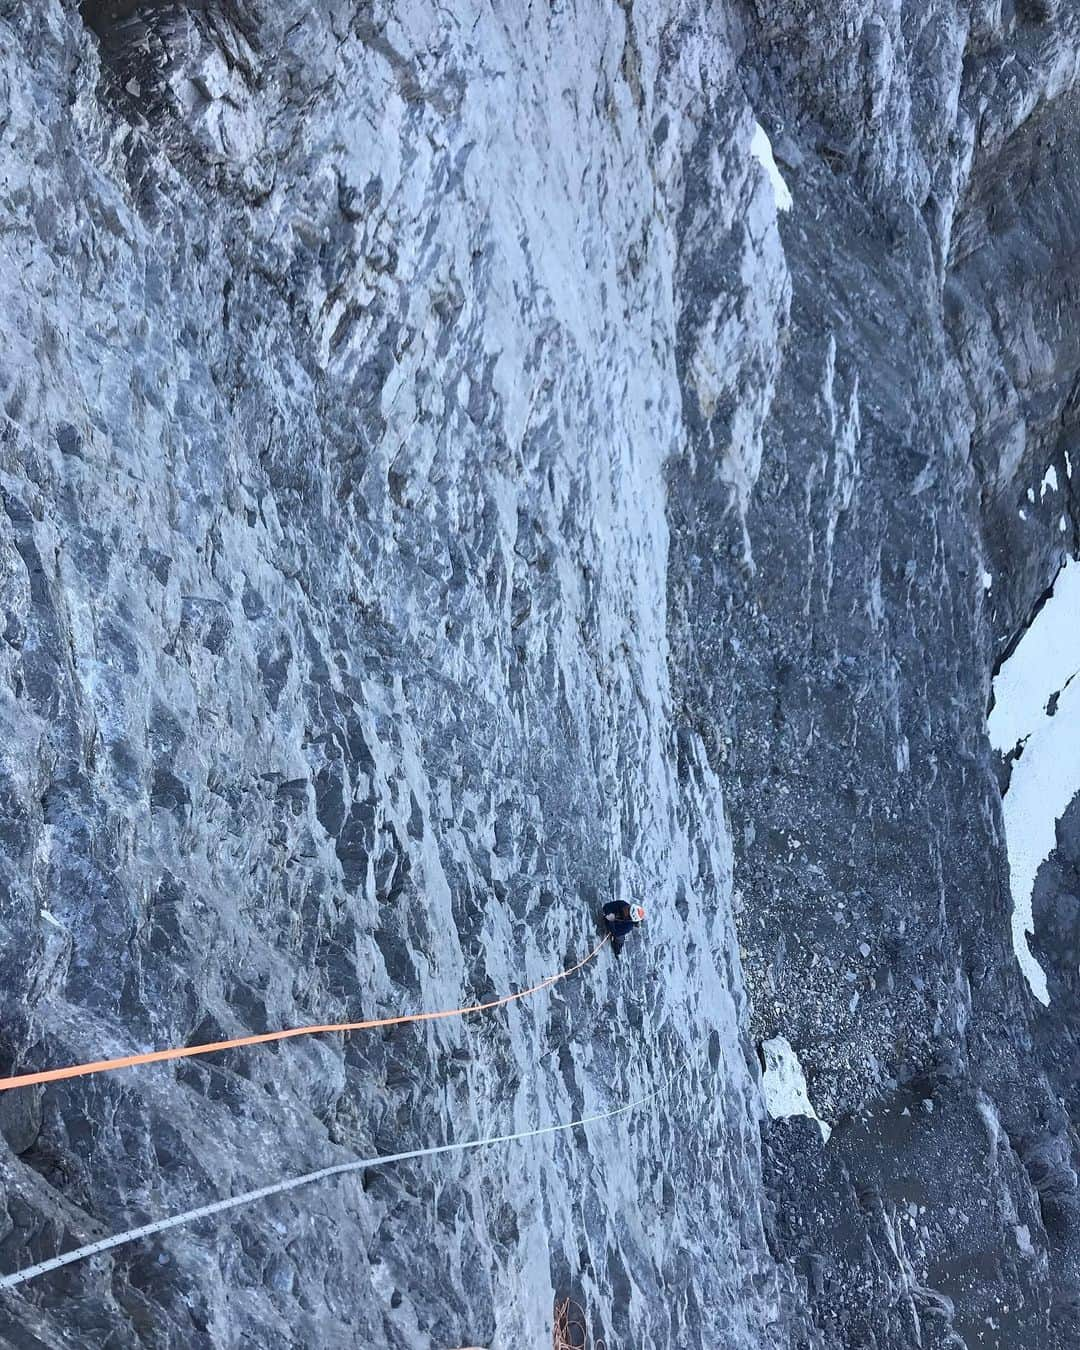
784,1084
988,1111
1068,463
1062,527
761,149
1044,661
987,579
1049,483
1023,514
1031,495
1046,776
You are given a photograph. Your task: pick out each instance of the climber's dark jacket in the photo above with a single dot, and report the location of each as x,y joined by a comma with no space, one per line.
618,920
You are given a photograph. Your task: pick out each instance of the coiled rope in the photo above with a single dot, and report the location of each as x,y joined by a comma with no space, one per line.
186,1051
571,1331
292,1183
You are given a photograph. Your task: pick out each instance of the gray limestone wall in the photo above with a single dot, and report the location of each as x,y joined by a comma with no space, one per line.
444,489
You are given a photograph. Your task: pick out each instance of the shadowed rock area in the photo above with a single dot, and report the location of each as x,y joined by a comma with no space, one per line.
446,486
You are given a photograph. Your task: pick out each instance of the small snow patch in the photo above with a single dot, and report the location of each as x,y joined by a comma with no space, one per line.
761,149
1045,659
1046,777
1049,483
987,580
784,1084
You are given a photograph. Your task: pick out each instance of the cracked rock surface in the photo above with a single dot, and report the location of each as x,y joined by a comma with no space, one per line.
440,492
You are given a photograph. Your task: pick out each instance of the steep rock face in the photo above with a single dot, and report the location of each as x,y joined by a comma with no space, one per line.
340,375
441,492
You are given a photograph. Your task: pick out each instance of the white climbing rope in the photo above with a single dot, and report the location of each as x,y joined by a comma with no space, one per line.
279,1187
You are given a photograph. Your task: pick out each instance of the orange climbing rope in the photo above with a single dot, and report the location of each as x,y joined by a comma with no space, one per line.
185,1051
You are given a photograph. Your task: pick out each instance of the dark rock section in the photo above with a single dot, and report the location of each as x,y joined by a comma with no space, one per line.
926,389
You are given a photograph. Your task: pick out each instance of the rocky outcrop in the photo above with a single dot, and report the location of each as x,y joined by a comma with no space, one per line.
925,389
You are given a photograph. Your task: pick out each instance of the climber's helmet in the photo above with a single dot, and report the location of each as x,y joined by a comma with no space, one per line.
637,913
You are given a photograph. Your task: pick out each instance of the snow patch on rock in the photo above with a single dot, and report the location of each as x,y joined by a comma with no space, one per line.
761,149
784,1084
1046,774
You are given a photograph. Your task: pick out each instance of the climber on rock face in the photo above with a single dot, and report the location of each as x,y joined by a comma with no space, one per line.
621,919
